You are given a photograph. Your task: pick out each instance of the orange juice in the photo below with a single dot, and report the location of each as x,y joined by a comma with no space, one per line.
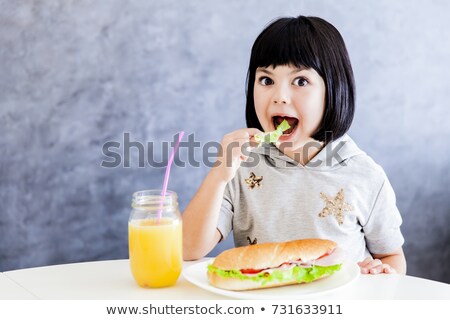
155,251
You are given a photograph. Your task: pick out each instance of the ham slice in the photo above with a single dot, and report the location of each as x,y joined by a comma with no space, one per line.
335,257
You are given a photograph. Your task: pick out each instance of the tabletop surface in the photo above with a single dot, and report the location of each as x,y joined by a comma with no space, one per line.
11,290
112,280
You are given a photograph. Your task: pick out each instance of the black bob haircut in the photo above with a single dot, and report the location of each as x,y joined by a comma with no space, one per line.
308,42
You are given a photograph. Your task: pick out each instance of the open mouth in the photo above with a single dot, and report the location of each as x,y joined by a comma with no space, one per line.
293,122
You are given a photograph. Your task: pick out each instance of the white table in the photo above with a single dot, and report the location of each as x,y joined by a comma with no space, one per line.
11,290
108,280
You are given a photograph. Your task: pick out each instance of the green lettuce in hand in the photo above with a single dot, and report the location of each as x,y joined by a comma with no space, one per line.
273,136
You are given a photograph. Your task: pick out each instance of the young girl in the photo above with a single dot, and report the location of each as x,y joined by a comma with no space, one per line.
314,182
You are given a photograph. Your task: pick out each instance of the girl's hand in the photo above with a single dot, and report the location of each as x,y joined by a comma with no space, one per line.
375,266
233,152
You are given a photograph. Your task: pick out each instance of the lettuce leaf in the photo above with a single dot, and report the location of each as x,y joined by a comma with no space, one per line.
298,273
273,136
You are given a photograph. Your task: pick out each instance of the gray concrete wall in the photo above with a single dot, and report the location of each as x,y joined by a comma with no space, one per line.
76,74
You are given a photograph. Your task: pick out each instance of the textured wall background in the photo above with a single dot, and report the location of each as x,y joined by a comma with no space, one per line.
76,74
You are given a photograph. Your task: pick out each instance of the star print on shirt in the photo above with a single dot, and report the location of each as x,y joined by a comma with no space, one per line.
335,206
253,181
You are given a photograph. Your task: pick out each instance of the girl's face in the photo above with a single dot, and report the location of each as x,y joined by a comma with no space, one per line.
287,92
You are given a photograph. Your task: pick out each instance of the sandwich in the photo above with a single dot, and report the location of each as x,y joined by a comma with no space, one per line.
275,264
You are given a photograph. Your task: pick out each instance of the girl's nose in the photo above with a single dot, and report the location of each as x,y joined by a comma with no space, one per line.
281,96
280,101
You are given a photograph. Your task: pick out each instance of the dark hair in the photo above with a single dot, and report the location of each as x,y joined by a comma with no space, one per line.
308,42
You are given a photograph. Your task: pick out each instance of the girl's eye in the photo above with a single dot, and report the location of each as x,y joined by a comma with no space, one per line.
265,81
301,82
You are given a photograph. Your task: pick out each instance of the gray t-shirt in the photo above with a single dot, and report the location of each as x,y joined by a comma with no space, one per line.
341,195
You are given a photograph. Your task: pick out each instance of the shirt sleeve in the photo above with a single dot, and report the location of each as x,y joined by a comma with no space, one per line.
225,222
382,230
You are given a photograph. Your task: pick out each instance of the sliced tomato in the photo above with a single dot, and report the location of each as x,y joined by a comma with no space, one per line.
251,271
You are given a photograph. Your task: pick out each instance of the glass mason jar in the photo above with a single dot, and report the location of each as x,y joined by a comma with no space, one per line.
155,238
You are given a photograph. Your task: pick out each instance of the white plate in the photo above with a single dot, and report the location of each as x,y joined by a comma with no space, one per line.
196,274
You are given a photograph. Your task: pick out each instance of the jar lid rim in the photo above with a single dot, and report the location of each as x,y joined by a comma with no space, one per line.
154,192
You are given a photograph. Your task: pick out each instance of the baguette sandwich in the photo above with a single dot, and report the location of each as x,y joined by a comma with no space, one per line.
275,264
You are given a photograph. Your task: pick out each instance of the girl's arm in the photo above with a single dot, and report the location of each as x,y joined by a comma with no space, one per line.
200,233
393,262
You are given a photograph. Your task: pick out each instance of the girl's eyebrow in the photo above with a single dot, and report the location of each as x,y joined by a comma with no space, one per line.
264,70
298,70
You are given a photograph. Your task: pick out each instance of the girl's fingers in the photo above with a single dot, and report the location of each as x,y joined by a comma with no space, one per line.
374,263
239,147
369,264
242,136
240,142
375,266
377,269
364,270
365,261
382,268
388,269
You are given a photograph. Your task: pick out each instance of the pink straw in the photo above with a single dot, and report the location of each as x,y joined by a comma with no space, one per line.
166,178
